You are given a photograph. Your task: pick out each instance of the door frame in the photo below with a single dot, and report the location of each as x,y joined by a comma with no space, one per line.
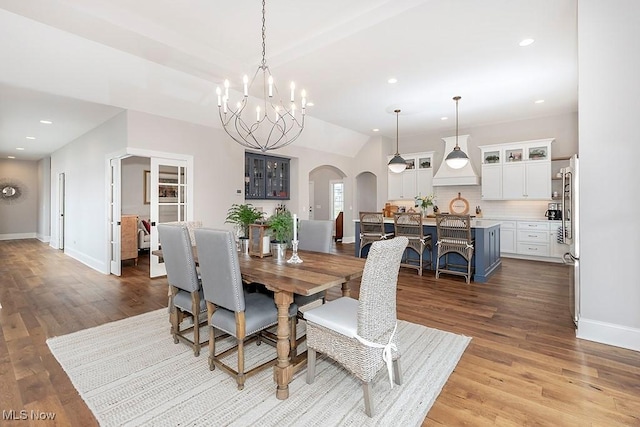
61,208
140,152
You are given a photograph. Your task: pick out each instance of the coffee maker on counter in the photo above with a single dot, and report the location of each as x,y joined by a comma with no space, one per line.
554,211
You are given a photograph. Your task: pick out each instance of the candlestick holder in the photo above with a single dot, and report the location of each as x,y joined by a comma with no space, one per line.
295,259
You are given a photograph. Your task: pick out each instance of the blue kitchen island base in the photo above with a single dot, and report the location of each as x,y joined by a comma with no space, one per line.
486,255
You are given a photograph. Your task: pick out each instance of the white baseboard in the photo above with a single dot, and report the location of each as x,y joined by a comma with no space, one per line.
609,333
17,236
532,257
87,260
44,239
349,239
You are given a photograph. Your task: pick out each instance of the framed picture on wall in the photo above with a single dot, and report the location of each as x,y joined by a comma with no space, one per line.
147,187
167,187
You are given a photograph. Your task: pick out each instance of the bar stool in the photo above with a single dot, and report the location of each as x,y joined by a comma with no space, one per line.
410,225
454,236
371,229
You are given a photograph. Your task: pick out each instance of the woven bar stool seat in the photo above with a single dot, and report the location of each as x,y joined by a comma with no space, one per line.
410,225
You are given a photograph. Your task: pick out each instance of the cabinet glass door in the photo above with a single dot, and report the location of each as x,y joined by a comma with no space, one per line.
254,181
277,184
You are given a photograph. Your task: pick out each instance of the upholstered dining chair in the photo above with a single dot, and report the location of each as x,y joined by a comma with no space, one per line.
409,224
454,236
371,229
185,291
361,334
313,235
229,309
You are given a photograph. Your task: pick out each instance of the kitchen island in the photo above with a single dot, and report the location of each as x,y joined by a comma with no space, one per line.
486,254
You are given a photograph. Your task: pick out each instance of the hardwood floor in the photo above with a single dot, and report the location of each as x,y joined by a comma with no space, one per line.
524,365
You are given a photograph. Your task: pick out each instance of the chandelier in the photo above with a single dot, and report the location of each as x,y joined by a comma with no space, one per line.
273,123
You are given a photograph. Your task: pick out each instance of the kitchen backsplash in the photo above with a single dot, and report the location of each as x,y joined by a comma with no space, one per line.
490,208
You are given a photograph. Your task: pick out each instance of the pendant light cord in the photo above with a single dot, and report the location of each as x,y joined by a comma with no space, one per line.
456,98
397,126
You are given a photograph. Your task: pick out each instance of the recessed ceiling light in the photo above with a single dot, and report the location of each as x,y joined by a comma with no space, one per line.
392,80
376,130
310,104
20,148
539,101
444,118
46,122
526,42
31,137
11,157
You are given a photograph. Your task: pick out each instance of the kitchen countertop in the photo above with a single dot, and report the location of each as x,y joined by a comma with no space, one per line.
475,223
522,218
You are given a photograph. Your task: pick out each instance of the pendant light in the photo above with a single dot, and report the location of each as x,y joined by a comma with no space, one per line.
457,159
397,164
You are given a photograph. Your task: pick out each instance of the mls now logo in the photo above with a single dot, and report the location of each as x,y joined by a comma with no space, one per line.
13,415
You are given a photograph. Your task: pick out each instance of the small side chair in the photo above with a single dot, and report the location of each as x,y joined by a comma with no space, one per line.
356,333
243,316
186,298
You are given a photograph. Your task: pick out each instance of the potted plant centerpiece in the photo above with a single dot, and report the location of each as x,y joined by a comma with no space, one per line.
281,230
243,216
424,202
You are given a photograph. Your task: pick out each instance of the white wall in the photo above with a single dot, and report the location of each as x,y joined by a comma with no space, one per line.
218,161
19,217
132,184
83,162
609,90
322,178
44,199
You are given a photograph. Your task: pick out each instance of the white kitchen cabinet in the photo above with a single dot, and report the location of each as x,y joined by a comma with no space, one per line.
517,171
491,182
533,238
556,249
416,180
508,237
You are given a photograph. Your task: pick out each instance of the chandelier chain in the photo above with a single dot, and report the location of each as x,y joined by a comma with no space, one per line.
264,36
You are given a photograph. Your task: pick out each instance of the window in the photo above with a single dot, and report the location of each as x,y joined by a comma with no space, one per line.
337,198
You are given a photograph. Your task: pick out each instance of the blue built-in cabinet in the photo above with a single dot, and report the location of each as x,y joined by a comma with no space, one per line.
486,255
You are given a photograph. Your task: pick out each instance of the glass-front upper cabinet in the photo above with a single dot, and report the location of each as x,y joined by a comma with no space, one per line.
266,177
254,165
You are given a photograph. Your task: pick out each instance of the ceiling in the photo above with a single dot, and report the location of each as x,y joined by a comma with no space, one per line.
78,63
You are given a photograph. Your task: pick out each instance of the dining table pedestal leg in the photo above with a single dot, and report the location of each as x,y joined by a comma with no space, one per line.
283,370
346,290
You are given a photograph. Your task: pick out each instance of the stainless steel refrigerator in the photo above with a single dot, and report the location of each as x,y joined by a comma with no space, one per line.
570,232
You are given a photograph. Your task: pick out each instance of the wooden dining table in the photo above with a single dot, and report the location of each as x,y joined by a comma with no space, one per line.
317,273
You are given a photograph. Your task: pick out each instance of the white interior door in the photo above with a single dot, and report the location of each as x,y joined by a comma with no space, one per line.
115,254
171,200
61,211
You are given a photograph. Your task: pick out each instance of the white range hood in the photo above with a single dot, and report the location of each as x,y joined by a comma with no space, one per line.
449,176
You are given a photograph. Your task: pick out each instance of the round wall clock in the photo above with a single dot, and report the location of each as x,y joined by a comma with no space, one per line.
459,206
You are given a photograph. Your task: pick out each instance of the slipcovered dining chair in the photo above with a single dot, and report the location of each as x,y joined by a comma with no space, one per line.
409,224
313,235
242,315
371,229
185,291
361,334
454,236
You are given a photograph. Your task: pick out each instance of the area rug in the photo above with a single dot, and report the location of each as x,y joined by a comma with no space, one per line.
130,373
